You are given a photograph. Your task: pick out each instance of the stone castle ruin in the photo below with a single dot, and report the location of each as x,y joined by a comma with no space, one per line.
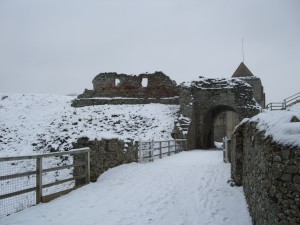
201,102
113,88
209,98
209,110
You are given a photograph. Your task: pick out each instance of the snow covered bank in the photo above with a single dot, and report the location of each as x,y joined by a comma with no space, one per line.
189,188
35,123
278,125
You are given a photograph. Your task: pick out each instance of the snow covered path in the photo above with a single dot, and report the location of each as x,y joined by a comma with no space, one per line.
189,188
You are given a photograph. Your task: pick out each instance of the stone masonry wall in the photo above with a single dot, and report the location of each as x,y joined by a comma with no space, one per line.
184,127
158,85
119,101
258,89
114,88
270,175
105,154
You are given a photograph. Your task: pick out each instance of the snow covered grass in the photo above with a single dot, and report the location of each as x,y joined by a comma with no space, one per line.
31,124
189,188
278,125
39,123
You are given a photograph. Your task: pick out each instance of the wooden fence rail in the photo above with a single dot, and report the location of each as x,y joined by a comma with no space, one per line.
38,173
148,150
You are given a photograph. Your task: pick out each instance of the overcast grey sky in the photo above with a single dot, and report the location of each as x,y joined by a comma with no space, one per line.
59,46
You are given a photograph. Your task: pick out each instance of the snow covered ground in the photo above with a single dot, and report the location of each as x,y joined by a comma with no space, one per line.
39,123
31,124
189,188
185,189
278,125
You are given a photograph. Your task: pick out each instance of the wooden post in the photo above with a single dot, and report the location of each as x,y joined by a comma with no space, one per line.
169,150
175,147
39,180
186,145
87,167
141,152
160,150
152,149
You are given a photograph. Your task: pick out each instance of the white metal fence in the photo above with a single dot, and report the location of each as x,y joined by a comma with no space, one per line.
28,180
150,150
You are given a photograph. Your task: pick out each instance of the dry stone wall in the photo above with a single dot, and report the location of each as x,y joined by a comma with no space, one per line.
105,154
270,175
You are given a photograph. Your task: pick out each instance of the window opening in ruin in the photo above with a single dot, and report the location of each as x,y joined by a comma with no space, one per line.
117,82
145,82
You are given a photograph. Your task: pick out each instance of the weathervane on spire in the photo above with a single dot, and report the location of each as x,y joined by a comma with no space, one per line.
243,48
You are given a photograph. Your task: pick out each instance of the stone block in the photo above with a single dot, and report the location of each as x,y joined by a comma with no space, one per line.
286,177
285,153
296,179
292,169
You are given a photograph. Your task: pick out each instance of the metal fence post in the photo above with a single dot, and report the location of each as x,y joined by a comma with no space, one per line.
169,151
39,180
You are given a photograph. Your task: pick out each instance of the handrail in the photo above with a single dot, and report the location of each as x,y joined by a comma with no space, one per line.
289,101
164,140
276,106
291,96
80,150
292,99
146,152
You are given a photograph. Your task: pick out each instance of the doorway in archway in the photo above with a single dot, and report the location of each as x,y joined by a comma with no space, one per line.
223,126
219,121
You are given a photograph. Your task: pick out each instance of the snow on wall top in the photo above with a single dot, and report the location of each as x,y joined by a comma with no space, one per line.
278,125
35,123
215,83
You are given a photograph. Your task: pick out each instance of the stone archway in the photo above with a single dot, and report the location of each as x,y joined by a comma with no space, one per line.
208,98
208,123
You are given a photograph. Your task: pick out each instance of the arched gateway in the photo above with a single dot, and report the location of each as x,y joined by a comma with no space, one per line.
203,100
216,97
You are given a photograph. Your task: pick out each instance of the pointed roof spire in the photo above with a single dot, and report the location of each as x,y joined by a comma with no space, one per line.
242,71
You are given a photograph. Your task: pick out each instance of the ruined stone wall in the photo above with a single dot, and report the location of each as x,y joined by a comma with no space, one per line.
258,89
157,85
184,126
270,175
203,100
105,154
119,101
214,96
113,88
